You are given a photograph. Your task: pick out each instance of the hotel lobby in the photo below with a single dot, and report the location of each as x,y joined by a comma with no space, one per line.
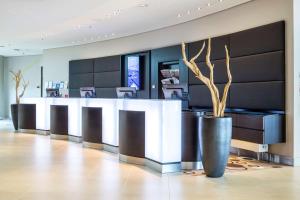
149,99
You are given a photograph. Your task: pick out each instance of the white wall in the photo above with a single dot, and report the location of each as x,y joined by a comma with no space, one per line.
2,97
249,15
30,66
296,88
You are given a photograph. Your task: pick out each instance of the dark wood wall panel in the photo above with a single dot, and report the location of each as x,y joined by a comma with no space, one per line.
81,66
258,40
220,74
107,64
257,66
200,95
217,45
102,73
107,79
258,95
77,81
74,93
260,67
106,93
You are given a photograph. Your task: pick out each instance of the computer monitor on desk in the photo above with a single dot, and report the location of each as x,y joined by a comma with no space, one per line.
87,92
126,92
177,91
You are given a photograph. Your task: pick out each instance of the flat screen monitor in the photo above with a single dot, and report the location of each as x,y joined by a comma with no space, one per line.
178,91
126,92
52,92
134,72
87,92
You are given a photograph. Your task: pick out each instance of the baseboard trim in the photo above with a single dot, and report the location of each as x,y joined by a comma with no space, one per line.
73,138
92,145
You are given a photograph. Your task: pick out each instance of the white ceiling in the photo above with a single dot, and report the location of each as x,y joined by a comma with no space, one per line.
29,26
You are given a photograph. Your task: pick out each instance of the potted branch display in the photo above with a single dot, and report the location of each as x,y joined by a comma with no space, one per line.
216,129
18,78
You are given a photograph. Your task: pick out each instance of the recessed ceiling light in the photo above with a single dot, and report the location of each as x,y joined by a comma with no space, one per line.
199,8
208,4
220,0
179,15
142,5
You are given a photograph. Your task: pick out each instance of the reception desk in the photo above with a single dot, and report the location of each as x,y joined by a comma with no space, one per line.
162,131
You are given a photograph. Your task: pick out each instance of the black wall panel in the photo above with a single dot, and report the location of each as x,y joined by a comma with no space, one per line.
102,73
81,66
107,79
74,93
258,95
257,66
106,92
260,67
200,95
107,64
220,73
258,40
217,46
81,80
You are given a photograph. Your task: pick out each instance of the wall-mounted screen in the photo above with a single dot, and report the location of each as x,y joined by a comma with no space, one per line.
134,72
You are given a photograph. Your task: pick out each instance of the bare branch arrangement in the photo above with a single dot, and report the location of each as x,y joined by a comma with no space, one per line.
218,105
18,78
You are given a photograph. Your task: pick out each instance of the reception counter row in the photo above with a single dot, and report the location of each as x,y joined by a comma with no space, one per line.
159,121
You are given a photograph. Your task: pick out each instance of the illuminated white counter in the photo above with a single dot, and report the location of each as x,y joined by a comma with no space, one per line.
162,124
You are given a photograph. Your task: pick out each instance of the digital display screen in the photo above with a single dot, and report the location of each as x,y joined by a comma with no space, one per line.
134,72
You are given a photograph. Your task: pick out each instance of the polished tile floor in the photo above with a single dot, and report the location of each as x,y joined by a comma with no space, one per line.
35,167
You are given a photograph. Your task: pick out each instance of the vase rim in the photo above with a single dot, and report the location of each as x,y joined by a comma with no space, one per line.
213,117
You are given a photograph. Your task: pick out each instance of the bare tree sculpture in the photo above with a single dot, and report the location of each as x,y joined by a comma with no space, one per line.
218,105
18,78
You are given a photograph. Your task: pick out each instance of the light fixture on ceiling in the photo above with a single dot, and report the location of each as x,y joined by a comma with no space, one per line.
179,15
142,5
208,4
117,12
220,0
199,8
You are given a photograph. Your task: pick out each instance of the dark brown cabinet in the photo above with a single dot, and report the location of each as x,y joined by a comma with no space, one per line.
258,128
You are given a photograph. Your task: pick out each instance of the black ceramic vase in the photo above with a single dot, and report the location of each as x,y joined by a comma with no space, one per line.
14,115
215,142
